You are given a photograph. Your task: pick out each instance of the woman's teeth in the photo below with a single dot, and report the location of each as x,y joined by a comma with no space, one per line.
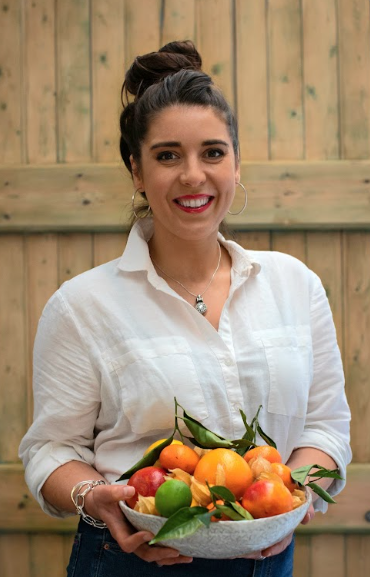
193,203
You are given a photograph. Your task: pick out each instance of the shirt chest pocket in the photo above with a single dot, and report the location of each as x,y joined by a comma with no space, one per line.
151,372
288,353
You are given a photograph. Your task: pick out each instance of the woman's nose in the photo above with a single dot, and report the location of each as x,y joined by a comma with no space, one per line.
192,173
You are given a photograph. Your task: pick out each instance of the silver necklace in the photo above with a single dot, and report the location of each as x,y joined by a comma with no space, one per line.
200,305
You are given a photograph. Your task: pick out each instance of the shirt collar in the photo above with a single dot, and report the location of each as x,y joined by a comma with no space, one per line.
136,255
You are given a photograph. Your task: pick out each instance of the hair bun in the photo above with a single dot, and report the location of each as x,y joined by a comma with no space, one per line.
153,67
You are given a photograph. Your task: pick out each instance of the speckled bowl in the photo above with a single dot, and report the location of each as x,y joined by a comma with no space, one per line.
225,538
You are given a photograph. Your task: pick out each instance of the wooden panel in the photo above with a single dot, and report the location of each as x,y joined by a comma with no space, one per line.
302,558
47,555
320,57
354,60
357,555
75,255
20,512
254,240
215,43
15,556
74,99
328,556
13,408
357,324
98,197
42,281
143,24
178,21
285,79
10,82
108,75
251,74
40,84
293,243
324,257
108,246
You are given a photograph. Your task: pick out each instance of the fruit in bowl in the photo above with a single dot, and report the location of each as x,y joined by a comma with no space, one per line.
222,498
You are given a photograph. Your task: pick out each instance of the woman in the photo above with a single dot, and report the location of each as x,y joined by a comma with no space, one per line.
182,313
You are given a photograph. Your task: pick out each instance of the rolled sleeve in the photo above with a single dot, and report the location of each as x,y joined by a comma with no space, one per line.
328,415
66,397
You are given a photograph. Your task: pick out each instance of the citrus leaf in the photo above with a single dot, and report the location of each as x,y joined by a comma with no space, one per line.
243,443
265,437
321,492
301,473
184,522
204,437
148,460
249,433
243,512
221,492
230,512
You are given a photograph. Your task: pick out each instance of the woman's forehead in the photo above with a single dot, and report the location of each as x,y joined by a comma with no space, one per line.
181,123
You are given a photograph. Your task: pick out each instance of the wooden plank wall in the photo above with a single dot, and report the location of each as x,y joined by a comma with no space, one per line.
298,74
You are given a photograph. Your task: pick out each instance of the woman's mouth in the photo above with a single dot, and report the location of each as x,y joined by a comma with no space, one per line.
197,203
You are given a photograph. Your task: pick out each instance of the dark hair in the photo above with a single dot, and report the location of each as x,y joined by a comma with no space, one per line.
165,78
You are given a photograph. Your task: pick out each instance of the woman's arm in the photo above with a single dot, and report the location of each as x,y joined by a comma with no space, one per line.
103,503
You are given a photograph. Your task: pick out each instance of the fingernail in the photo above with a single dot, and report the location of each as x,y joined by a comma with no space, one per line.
147,538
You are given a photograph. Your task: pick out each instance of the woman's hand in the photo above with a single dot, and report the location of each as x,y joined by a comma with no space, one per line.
102,503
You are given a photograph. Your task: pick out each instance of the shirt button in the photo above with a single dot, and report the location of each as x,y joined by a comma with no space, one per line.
229,362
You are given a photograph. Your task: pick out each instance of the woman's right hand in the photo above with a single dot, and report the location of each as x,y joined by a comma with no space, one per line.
102,503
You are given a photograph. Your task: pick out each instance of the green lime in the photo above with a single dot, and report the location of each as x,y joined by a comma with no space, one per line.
171,496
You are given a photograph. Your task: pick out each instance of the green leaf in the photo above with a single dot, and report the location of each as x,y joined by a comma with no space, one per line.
249,433
183,523
321,492
243,512
243,443
265,437
148,460
299,475
221,492
230,512
204,438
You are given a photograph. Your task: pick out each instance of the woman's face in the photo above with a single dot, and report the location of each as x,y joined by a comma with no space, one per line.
188,171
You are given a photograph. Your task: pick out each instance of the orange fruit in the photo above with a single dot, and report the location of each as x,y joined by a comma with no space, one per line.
179,457
266,498
223,517
269,453
224,467
284,473
156,443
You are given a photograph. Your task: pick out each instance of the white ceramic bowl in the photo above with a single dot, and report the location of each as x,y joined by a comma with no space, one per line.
226,538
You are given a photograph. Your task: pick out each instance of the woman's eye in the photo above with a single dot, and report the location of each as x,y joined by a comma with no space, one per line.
215,153
166,155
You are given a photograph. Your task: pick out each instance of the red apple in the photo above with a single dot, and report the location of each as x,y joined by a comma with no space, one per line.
146,482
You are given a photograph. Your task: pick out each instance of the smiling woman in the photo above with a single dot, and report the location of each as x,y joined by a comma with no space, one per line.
116,344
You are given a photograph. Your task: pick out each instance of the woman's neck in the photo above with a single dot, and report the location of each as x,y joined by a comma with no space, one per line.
187,261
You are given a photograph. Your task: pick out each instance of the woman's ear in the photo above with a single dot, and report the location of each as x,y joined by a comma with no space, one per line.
136,177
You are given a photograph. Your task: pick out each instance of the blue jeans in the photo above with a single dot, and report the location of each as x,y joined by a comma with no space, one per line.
96,554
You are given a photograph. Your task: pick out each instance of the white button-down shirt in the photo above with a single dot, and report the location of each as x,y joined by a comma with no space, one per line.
116,344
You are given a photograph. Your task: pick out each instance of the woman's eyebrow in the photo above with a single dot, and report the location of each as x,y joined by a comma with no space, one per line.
162,144
176,143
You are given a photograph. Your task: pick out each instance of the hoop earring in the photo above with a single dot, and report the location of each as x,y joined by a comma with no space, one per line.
133,206
245,201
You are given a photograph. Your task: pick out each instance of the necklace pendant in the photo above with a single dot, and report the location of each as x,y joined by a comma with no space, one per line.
200,305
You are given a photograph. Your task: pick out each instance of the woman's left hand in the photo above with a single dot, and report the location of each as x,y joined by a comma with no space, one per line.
281,545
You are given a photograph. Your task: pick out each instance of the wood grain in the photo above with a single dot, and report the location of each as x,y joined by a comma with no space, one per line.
251,76
74,81
285,80
40,75
178,21
282,195
11,136
320,62
13,334
354,89
108,41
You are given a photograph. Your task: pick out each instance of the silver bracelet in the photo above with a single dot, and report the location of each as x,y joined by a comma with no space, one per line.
78,499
